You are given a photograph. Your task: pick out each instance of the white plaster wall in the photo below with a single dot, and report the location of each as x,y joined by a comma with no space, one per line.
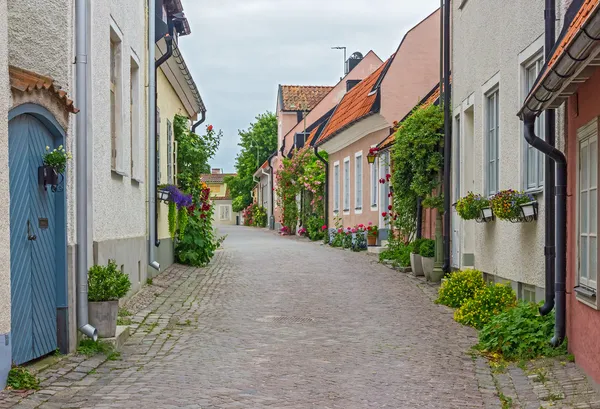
119,202
488,37
4,196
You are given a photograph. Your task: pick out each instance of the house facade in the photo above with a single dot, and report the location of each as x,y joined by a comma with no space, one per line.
221,197
177,95
490,79
364,118
265,195
577,52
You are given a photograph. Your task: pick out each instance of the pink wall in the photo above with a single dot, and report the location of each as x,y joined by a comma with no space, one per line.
369,64
414,71
368,215
583,322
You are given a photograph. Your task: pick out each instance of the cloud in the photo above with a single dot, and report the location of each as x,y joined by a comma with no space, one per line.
240,50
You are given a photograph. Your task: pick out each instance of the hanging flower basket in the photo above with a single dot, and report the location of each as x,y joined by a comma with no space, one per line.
471,207
514,206
486,215
53,169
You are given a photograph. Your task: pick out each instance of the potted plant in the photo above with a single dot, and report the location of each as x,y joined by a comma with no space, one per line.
471,206
359,241
106,284
55,164
415,258
372,233
507,204
427,253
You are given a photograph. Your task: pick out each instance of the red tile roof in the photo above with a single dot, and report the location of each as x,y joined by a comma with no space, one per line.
356,104
216,177
29,81
431,99
302,98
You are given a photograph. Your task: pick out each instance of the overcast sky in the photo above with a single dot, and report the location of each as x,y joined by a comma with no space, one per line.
240,50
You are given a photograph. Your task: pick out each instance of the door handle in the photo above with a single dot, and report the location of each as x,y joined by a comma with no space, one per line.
30,237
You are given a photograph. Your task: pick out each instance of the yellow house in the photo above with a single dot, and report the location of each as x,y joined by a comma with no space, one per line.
177,95
220,197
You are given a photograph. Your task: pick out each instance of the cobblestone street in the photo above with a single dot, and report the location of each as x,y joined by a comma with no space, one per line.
280,324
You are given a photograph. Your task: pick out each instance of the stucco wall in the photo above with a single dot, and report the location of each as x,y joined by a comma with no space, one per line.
367,214
216,219
489,39
583,321
169,105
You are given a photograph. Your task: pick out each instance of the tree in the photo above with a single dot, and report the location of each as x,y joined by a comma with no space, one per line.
257,143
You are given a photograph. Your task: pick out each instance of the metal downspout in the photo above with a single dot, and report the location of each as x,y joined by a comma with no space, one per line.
561,224
326,187
419,218
154,181
549,175
269,178
84,170
152,230
200,122
272,190
447,138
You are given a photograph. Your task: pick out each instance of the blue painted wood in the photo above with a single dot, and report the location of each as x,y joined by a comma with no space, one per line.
33,263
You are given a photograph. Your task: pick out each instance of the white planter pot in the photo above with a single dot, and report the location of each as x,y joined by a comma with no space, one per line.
415,264
103,316
427,264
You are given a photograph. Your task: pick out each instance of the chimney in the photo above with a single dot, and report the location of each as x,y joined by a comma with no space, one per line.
353,61
217,171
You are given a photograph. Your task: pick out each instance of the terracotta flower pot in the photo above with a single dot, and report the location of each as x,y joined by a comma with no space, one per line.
371,240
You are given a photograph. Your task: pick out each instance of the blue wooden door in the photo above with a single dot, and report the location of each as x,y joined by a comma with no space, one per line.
32,243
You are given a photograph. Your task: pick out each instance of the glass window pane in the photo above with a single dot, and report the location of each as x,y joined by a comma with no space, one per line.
583,268
592,268
593,151
583,181
583,213
593,211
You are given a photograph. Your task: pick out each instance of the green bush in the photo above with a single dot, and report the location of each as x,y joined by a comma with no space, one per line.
107,283
398,252
198,245
459,287
519,333
21,379
488,302
415,246
427,248
347,240
314,227
338,239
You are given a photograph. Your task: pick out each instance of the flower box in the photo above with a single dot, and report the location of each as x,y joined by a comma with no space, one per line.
487,215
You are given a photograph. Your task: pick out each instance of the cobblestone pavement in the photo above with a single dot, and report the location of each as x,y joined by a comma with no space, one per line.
278,323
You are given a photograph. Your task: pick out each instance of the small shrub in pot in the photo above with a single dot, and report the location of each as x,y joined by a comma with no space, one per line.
106,285
427,253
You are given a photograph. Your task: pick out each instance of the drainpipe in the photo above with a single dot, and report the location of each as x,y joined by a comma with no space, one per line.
561,224
200,122
84,170
419,218
326,190
272,187
153,150
549,175
447,137
268,175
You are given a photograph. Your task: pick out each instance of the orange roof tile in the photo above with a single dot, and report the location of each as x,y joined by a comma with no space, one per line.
355,105
302,98
430,100
29,81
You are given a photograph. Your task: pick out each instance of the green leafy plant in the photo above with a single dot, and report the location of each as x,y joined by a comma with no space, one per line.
470,206
360,239
347,240
486,303
172,216
460,287
107,283
21,379
520,333
415,246
89,347
314,227
56,158
183,217
505,203
427,248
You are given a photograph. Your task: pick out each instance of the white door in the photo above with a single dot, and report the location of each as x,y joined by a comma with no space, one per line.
456,220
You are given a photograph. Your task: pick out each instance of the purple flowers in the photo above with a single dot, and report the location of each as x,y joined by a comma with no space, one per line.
178,197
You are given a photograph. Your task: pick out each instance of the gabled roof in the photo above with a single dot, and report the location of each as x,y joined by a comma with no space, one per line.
301,97
433,98
29,81
574,59
216,177
360,102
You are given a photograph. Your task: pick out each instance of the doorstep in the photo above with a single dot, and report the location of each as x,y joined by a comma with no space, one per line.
119,339
376,249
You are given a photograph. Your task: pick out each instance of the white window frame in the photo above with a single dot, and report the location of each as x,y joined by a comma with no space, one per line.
374,183
346,185
116,98
228,208
358,182
336,187
170,175
491,153
586,135
137,161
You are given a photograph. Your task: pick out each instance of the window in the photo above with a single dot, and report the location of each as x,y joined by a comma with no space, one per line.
374,185
158,173
336,187
358,181
587,198
384,169
534,159
492,129
115,98
134,115
225,212
347,184
169,152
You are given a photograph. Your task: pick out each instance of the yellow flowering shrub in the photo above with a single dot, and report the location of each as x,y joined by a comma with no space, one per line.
487,303
459,287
